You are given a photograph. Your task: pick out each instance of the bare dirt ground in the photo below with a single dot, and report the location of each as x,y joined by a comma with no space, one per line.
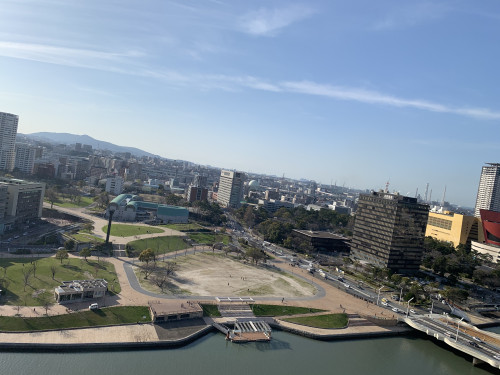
207,274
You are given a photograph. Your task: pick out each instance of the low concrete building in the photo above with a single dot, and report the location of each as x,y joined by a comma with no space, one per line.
167,311
323,241
80,290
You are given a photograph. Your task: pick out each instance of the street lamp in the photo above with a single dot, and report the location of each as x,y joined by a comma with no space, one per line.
432,306
458,326
111,210
401,294
408,308
378,296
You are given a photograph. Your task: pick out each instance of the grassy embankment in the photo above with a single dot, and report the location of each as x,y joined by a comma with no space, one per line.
160,245
327,321
99,317
126,230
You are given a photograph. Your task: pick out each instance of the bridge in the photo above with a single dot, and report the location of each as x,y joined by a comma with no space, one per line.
482,346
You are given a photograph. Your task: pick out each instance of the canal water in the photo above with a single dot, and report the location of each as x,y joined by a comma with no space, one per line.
285,354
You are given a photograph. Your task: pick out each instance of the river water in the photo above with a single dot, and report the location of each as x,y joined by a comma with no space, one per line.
285,354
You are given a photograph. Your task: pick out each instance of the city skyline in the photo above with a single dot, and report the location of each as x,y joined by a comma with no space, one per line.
316,90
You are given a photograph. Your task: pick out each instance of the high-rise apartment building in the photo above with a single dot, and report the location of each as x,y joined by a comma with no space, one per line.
389,231
488,192
25,157
114,185
20,202
8,132
230,191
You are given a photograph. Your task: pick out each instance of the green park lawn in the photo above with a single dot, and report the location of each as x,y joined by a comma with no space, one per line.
327,321
99,317
209,238
86,237
126,230
161,245
12,278
210,310
280,310
82,202
183,227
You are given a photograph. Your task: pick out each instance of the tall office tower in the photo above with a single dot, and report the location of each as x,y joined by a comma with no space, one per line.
389,231
25,157
8,132
230,191
488,192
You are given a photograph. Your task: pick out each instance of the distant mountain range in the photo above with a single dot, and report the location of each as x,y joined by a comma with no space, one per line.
67,138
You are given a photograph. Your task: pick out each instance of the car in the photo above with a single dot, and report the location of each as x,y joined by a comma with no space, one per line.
497,357
477,339
347,285
385,303
395,309
93,306
412,311
448,333
473,344
16,237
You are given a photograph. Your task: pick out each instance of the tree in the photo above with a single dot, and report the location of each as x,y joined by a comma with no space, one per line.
53,270
85,252
147,269
455,294
88,227
46,300
62,254
27,271
69,244
255,254
147,256
51,195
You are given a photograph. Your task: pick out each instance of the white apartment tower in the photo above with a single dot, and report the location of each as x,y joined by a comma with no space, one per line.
488,193
25,158
114,185
230,188
8,132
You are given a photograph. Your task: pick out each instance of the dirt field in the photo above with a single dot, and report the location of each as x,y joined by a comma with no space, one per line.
207,274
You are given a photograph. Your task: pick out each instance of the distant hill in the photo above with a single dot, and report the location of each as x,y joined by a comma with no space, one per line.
67,138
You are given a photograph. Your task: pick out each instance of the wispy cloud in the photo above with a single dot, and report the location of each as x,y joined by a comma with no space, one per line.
410,15
269,22
125,63
73,57
374,97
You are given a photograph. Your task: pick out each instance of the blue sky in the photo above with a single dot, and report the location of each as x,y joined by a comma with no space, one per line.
355,92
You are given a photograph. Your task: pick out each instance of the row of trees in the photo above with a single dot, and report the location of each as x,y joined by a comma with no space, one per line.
459,262
157,273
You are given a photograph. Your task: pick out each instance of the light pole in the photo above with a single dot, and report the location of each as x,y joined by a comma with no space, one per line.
378,295
408,308
111,212
432,306
401,294
458,326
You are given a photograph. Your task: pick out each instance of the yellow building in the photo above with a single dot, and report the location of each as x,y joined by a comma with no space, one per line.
453,228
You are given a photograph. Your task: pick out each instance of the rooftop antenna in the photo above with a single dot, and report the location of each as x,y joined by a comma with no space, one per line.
430,197
426,191
386,187
416,193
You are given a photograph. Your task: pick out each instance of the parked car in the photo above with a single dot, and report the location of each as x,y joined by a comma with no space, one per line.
93,306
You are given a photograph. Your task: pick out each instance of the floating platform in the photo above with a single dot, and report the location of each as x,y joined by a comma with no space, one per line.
246,331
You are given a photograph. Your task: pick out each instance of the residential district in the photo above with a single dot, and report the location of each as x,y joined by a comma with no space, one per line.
108,249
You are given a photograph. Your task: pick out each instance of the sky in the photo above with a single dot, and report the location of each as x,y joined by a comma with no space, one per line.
353,93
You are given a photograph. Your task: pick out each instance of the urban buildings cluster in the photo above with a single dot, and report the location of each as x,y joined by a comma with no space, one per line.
388,229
